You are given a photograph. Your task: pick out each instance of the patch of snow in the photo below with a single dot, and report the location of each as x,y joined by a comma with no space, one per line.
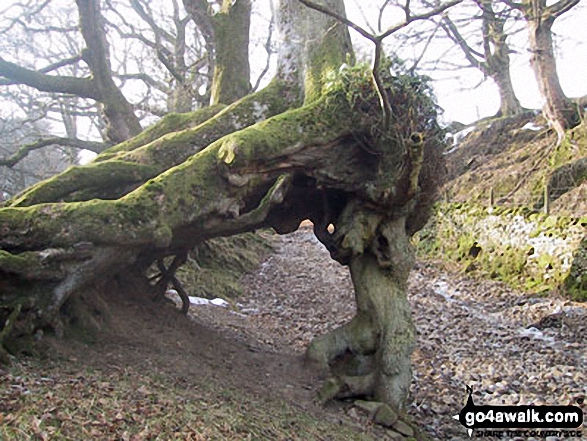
452,149
536,334
202,301
441,288
457,138
532,126
219,302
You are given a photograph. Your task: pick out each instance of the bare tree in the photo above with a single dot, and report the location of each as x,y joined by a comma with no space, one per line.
167,53
561,112
100,86
15,133
492,57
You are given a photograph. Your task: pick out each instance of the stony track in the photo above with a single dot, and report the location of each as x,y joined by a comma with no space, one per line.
510,347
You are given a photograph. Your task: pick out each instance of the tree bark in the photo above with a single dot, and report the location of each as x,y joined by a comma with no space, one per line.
559,110
265,161
370,356
497,53
122,122
231,70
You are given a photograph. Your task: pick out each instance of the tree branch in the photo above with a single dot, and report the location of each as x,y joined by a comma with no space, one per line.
378,40
22,152
340,18
419,17
61,63
83,87
559,8
469,53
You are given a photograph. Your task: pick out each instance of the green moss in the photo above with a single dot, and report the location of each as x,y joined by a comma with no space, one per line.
575,283
456,228
217,265
17,263
172,122
106,180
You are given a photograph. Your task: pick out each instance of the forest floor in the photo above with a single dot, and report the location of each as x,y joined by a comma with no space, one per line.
237,372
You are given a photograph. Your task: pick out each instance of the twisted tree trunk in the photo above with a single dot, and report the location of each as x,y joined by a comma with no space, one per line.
265,161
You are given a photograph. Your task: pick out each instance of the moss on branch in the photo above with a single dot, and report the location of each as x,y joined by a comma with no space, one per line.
126,166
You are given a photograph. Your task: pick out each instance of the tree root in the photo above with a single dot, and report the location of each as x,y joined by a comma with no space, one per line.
356,338
167,276
6,330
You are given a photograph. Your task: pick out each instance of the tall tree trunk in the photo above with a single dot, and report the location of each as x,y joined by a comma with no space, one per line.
497,54
231,33
509,103
122,123
370,356
559,110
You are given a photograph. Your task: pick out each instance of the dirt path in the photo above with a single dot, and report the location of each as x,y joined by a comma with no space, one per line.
238,372
471,332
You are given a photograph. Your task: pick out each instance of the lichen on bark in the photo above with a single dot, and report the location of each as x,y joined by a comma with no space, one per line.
330,160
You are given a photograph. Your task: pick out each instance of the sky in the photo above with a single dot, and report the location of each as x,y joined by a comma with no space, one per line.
463,101
459,93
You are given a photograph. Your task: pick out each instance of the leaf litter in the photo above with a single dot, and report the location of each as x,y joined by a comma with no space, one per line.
238,373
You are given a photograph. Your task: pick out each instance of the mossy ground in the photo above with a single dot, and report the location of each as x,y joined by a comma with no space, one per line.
216,266
528,250
514,158
507,163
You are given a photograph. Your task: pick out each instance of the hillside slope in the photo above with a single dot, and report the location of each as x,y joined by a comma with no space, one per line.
493,220
515,158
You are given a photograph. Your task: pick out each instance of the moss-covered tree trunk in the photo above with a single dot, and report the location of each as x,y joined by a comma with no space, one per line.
312,145
231,70
370,356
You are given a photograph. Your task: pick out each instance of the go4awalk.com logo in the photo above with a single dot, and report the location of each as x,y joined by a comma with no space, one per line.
528,421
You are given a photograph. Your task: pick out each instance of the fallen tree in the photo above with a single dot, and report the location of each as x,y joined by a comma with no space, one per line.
314,144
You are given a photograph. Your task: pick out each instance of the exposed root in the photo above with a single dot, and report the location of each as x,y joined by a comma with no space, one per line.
6,330
167,276
356,337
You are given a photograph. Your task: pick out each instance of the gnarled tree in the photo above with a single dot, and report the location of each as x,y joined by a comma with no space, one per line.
314,144
561,112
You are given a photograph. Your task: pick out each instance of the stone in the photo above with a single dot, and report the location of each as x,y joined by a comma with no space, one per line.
395,436
386,416
371,407
403,428
329,390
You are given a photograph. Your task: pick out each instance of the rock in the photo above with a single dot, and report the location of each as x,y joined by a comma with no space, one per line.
371,407
395,436
403,428
329,390
385,416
